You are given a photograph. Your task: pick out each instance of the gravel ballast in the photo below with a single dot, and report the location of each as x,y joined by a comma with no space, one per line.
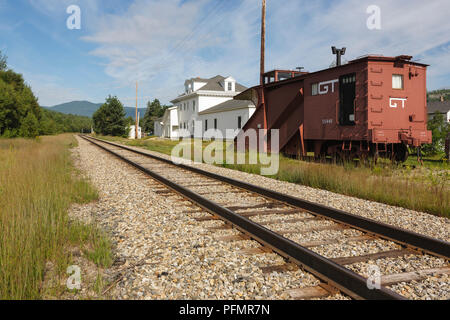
162,252
420,222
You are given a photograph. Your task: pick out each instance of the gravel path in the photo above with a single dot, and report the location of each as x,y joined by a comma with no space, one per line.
164,253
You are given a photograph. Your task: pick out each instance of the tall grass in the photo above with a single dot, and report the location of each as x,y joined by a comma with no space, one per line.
37,185
365,183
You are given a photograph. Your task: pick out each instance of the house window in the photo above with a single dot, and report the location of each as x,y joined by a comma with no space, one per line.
397,81
230,86
239,122
215,123
206,124
193,105
314,89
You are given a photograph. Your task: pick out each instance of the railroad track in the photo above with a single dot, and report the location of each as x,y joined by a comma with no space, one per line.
259,214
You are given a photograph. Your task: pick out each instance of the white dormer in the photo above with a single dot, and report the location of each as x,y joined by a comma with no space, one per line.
229,84
197,84
192,85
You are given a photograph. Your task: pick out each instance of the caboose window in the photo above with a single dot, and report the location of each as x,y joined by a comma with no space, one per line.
397,81
314,89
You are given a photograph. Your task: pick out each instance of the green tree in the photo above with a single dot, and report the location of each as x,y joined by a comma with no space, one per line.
53,122
3,64
154,111
29,127
109,119
16,102
439,128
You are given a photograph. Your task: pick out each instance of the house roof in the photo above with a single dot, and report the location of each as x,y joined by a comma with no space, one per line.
198,79
440,106
228,106
214,84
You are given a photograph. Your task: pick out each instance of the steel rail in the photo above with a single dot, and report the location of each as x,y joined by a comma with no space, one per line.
338,276
405,237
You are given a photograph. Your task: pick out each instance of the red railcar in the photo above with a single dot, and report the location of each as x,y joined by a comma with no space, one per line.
371,106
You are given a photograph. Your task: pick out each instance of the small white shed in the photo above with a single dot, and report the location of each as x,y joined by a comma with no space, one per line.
132,132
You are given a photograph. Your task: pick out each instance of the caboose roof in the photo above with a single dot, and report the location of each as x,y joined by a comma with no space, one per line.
246,95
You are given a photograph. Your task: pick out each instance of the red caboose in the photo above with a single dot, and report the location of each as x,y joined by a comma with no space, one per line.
371,106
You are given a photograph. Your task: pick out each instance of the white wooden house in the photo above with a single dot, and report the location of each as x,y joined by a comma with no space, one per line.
210,101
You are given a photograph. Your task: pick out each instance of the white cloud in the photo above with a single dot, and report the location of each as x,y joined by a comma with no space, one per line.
411,29
163,42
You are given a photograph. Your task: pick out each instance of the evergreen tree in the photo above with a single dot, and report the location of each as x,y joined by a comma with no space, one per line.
153,112
109,119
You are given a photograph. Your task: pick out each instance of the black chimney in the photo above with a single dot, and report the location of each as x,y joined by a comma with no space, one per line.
338,53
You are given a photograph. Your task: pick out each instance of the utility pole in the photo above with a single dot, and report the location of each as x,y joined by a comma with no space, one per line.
263,41
136,117
262,65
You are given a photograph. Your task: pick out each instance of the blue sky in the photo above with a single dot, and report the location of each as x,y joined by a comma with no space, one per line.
163,42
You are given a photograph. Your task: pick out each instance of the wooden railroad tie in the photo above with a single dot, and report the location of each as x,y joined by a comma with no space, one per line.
316,243
320,291
218,192
321,228
206,218
224,226
288,221
391,279
260,205
373,256
324,290
257,250
280,268
269,212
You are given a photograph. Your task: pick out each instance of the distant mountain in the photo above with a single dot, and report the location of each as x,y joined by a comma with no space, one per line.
86,108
